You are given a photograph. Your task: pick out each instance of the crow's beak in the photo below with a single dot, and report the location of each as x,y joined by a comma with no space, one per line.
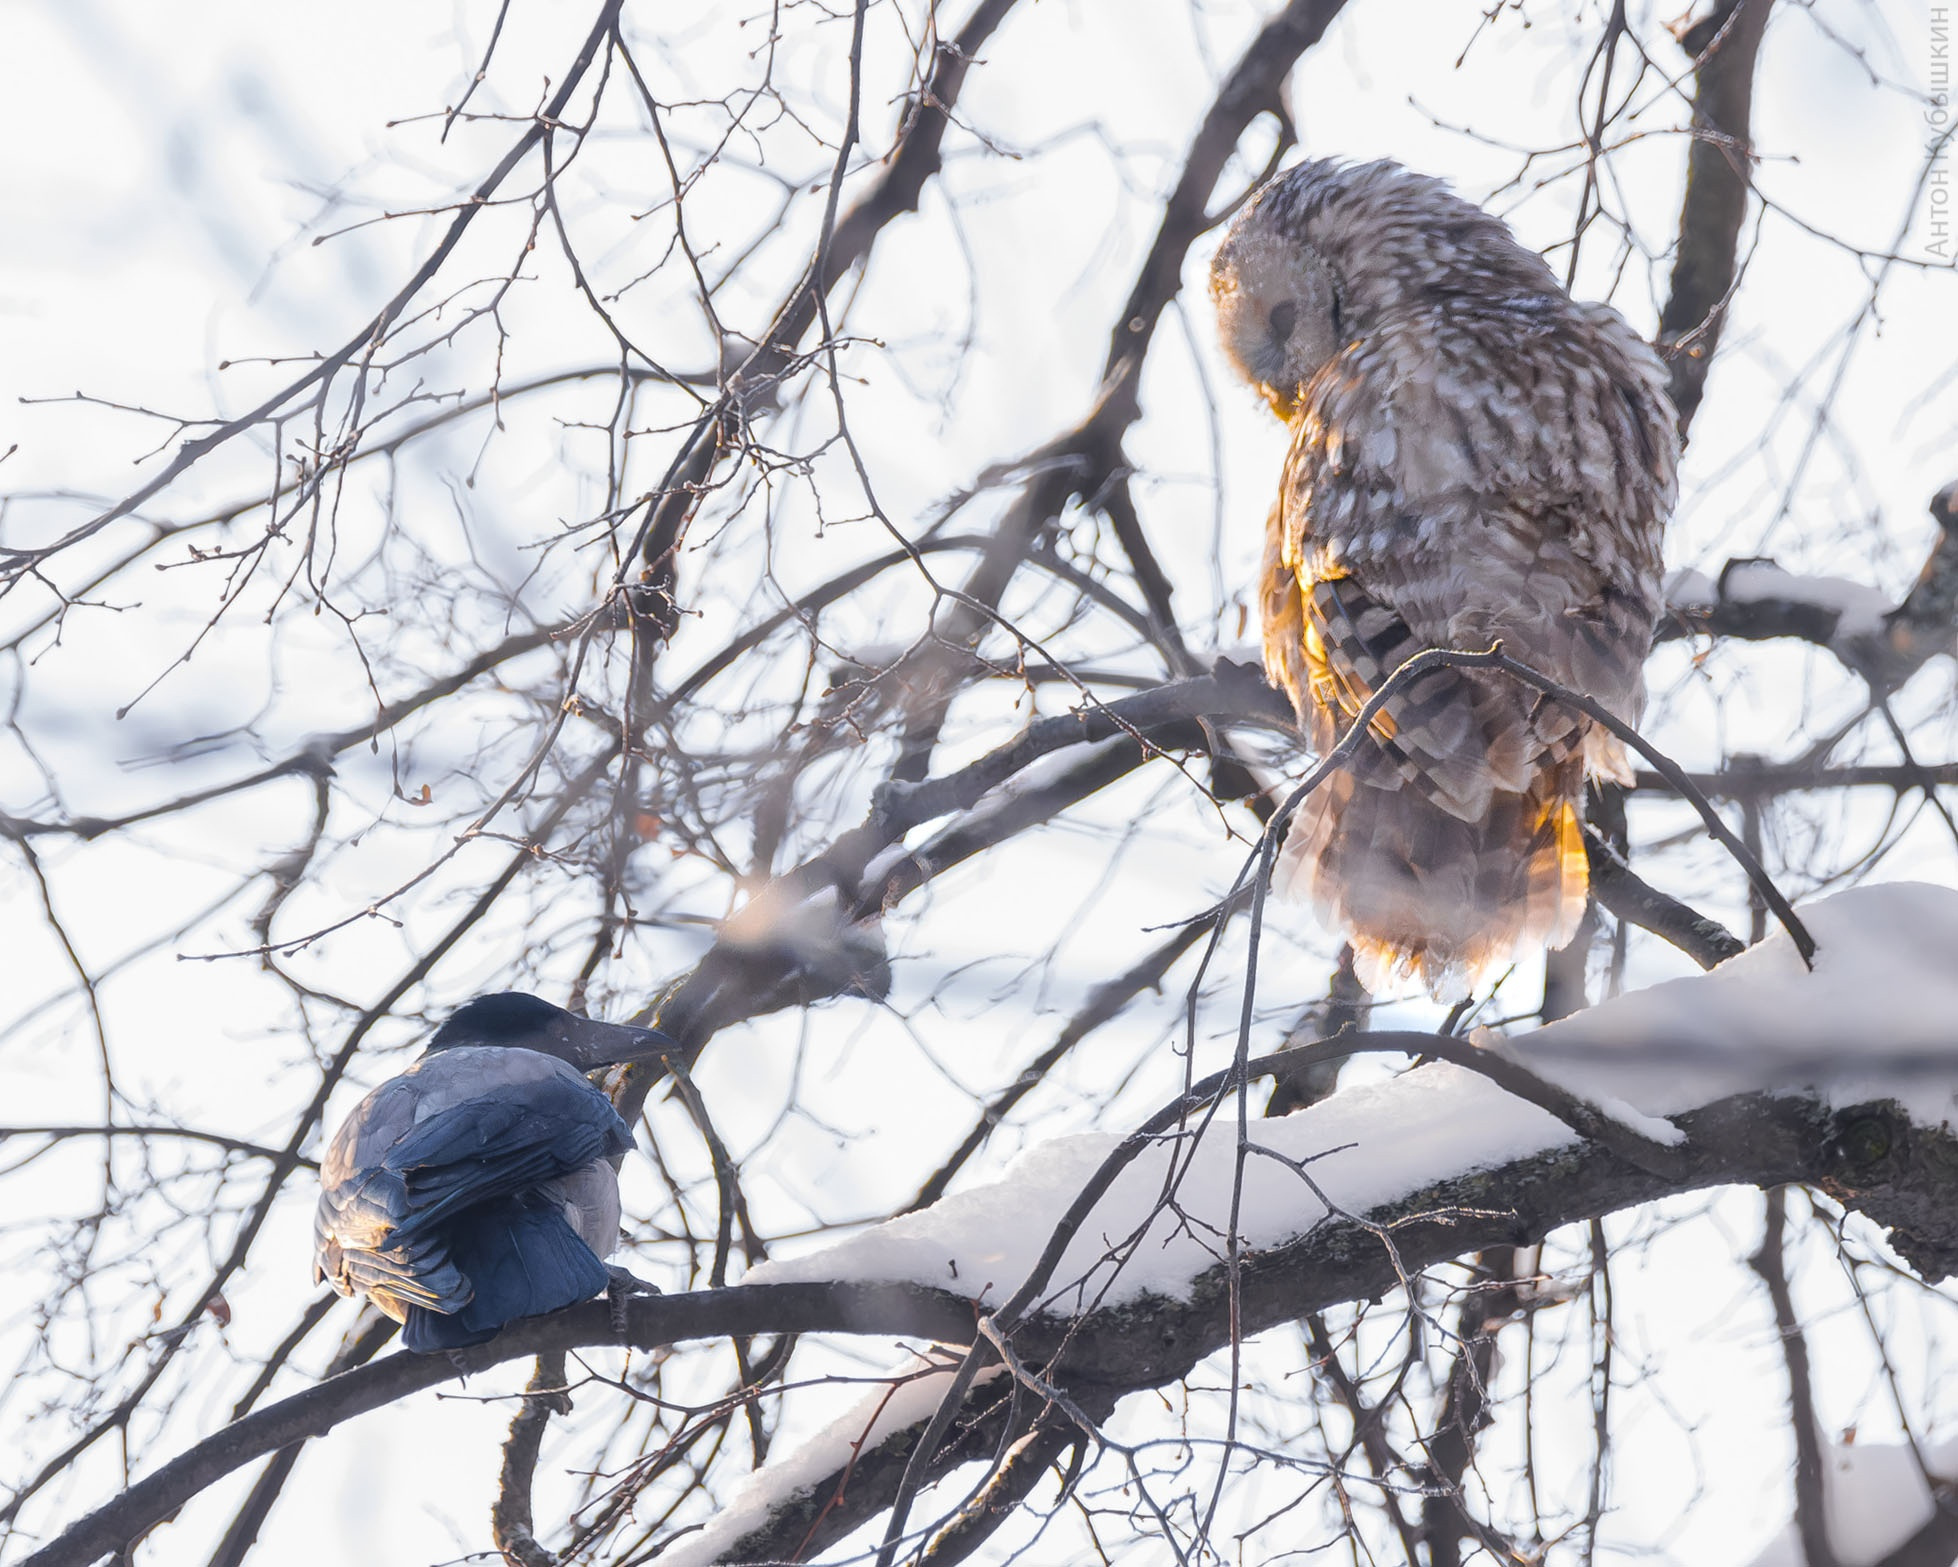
589,1044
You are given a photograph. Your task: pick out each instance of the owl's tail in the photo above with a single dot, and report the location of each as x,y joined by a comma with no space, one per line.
1430,895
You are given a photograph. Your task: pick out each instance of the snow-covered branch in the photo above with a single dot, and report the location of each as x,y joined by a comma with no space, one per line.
1760,1072
1756,600
1842,1078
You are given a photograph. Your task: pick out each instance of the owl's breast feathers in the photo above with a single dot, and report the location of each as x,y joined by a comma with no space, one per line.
1460,477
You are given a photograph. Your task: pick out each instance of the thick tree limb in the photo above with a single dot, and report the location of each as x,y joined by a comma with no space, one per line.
1719,170
1754,600
1152,1342
510,1516
1869,1158
894,1310
1618,889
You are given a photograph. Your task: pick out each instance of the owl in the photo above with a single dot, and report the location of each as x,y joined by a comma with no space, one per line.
1475,458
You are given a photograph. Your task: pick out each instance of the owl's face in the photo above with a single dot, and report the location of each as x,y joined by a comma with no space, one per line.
1329,251
1278,307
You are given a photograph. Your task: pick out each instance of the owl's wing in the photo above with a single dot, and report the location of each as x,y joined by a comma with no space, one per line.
1449,837
1458,737
1332,636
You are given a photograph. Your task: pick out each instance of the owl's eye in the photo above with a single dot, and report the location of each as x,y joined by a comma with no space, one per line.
1284,316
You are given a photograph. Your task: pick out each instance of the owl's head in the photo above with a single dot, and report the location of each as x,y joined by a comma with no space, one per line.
1278,305
1327,251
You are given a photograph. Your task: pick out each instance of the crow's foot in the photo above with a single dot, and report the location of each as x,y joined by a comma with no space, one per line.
620,1288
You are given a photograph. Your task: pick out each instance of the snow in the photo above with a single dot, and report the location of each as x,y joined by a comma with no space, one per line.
1687,590
1884,979
1363,1148
886,1409
1874,1498
1873,1021
1651,1127
1860,609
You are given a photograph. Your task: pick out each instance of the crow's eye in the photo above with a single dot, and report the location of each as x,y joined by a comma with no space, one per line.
1283,318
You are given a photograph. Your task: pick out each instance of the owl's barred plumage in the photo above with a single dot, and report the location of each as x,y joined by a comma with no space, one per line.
1476,457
